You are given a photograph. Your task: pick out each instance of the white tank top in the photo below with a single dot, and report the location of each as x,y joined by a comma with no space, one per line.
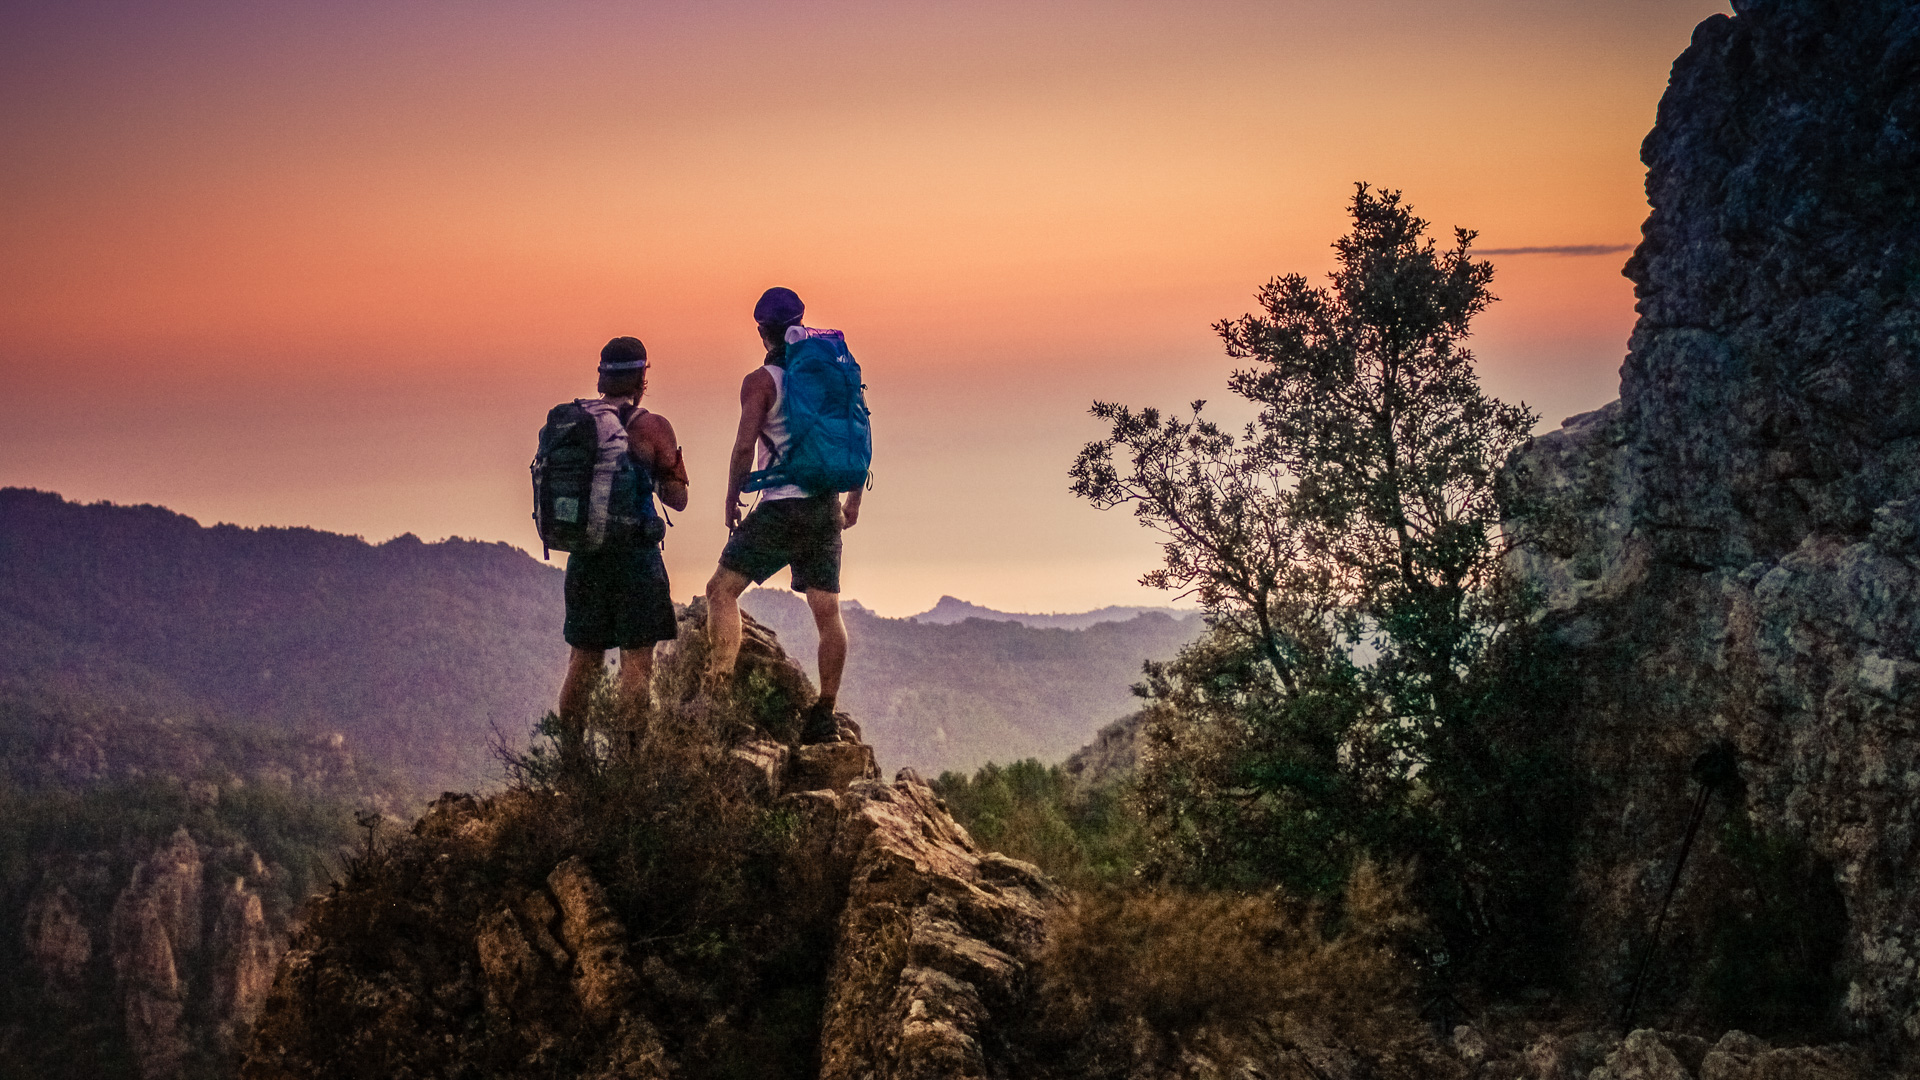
774,430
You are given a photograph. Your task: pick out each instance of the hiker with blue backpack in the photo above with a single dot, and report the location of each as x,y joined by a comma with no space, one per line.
599,464
803,412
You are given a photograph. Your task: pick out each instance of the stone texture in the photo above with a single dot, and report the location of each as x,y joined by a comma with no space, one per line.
509,963
148,983
246,952
760,766
156,926
1567,1057
58,942
830,766
1643,1056
602,979
1738,1056
172,879
1729,548
934,943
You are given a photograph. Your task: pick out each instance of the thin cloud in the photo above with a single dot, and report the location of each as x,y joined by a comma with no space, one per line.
1560,249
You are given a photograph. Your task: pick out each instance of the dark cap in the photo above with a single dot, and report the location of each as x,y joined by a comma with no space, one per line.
778,307
623,354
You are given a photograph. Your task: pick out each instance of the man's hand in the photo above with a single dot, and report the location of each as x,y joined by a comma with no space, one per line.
733,511
850,512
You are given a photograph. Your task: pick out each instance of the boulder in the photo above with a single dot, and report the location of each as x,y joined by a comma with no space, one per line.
830,766
934,944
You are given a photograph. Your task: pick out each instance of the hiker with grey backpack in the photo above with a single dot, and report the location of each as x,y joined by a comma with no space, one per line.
805,444
599,465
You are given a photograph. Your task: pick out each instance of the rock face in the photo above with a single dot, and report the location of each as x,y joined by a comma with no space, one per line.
934,944
246,949
179,969
1732,550
58,943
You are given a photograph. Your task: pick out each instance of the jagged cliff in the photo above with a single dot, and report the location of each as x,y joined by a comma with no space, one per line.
1731,551
178,964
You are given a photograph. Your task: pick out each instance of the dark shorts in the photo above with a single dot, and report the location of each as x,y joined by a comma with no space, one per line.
801,533
618,599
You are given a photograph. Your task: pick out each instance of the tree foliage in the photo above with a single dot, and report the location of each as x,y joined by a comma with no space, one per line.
1363,688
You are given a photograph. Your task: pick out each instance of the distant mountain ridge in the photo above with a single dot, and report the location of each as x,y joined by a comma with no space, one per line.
951,609
419,653
956,695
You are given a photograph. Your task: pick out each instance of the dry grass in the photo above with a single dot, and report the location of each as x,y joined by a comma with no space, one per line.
1137,978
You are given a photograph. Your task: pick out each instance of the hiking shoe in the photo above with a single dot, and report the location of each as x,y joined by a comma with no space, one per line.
819,727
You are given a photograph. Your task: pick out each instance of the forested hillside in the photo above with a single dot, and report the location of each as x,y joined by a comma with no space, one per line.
414,652
418,653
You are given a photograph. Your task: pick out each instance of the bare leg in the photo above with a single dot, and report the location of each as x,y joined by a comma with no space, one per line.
636,678
583,671
634,697
833,639
723,626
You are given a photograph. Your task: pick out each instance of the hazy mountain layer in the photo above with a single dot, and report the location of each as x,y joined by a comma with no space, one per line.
955,696
418,653
952,610
415,652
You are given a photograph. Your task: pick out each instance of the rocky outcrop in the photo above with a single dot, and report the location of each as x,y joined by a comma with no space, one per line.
930,951
176,969
1729,549
519,935
246,949
934,944
156,927
58,943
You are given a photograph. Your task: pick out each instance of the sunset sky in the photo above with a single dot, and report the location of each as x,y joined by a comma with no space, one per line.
329,264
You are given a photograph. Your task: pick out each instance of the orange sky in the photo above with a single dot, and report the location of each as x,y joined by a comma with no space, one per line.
282,263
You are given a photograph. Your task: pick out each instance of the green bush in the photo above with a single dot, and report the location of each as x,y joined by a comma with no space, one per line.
1077,832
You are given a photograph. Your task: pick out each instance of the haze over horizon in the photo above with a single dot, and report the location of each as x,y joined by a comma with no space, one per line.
328,266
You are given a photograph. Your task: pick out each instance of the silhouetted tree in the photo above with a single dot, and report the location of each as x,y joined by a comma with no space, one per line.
1346,546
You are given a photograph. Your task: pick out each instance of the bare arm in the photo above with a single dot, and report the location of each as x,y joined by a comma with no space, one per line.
850,510
654,434
756,400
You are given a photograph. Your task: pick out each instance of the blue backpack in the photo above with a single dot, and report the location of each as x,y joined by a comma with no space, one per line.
830,444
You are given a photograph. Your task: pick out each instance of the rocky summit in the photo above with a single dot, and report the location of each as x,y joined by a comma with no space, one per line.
716,902
1731,551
